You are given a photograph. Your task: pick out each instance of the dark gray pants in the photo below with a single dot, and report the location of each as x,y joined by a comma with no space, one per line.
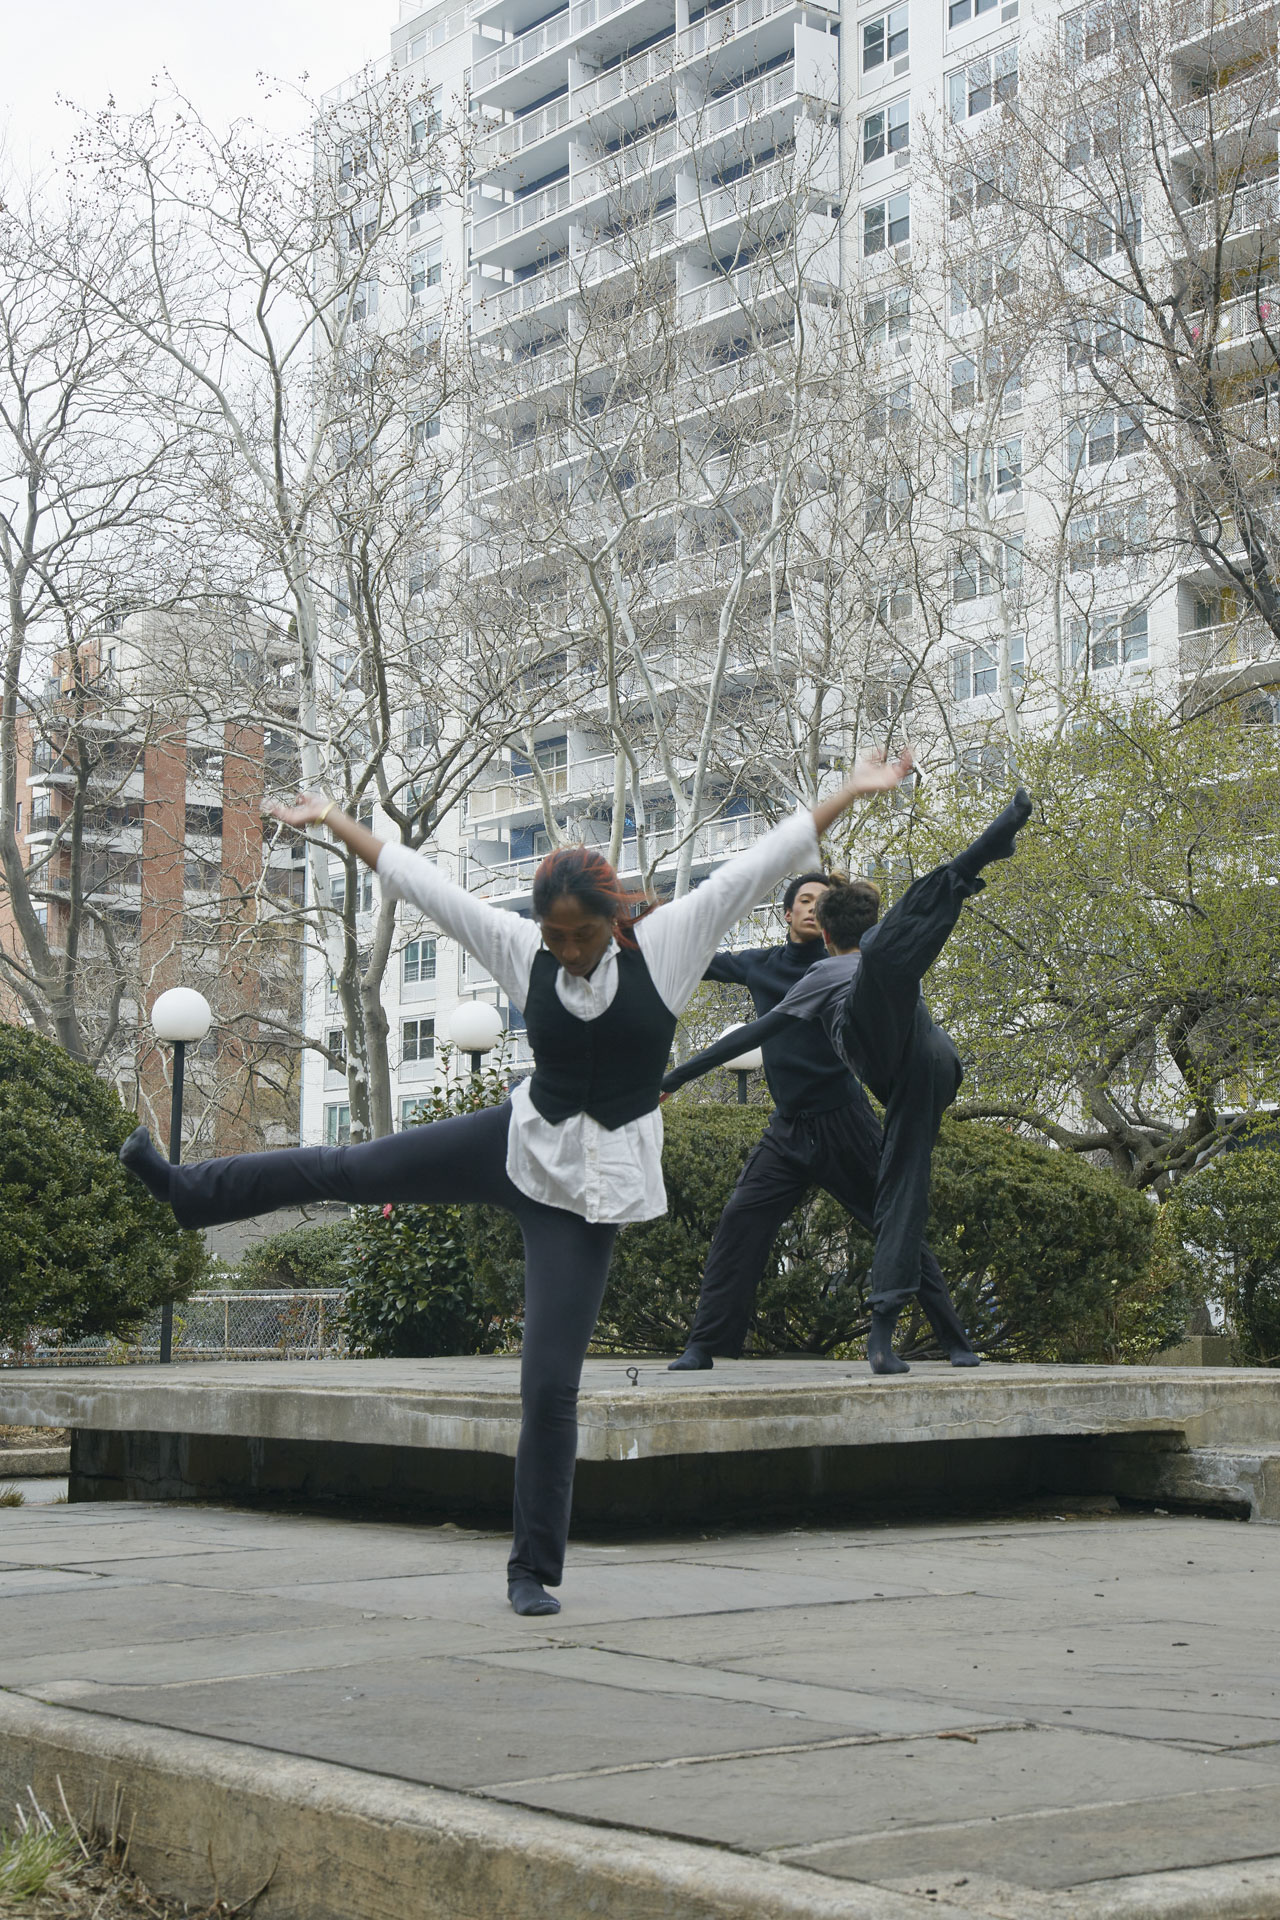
910,1065
837,1151
455,1162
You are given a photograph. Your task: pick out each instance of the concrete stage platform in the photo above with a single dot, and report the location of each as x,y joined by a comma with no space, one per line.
750,1439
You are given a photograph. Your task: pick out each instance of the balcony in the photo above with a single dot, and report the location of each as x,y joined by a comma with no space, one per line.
712,842
727,23
501,145
639,160
736,292
1254,316
521,217
628,78
501,304
1198,18
517,55
1251,207
736,202
1227,649
1230,110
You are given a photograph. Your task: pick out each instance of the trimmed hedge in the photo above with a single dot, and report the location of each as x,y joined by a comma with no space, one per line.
84,1249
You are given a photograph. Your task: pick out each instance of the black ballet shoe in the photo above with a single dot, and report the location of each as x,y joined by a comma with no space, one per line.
529,1596
694,1359
880,1351
140,1154
999,841
965,1357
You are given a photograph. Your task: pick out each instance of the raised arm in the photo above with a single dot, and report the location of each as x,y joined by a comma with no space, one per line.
739,1040
501,941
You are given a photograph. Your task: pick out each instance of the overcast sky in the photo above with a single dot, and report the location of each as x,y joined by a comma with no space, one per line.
87,49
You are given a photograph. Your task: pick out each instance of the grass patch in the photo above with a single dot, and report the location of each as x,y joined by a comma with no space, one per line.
12,1497
32,1857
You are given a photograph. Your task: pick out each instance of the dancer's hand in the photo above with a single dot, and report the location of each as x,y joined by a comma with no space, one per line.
304,813
872,773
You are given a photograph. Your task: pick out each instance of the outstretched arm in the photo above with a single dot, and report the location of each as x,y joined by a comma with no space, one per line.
729,969
740,1040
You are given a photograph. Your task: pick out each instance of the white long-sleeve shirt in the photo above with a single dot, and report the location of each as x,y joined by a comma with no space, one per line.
601,1173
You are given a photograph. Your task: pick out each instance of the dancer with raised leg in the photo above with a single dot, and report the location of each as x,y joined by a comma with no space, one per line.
867,996
576,1151
822,1133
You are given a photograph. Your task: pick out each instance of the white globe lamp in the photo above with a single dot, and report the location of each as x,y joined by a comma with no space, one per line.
182,1017
743,1063
475,1027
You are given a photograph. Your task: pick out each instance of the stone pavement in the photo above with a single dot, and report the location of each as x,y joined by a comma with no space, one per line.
1075,1715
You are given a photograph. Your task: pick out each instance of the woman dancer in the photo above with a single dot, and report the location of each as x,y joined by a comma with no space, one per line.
576,1151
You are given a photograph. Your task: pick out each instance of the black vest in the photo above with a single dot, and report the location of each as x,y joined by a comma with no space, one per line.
611,1067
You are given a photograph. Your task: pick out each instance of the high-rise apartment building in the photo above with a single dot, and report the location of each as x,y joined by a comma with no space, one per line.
711,184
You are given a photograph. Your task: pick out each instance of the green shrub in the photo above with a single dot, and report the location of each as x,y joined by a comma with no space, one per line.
299,1257
420,1280
1226,1221
84,1249
1048,1258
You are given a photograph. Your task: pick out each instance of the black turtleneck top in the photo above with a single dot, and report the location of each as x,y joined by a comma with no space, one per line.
803,1073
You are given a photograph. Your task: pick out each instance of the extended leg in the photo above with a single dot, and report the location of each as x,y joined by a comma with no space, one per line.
566,1264
770,1186
459,1160
849,1168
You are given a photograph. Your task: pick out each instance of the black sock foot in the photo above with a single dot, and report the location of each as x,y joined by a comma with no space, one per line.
140,1155
529,1596
880,1351
965,1357
694,1359
1000,839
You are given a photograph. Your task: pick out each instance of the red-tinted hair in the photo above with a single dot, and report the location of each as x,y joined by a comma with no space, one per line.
583,875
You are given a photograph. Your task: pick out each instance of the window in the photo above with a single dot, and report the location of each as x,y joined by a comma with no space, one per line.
961,10
887,223
338,890
885,38
886,131
972,189
419,734
983,766
887,317
1110,435
987,83
894,605
964,383
1093,32
1103,336
889,412
364,301
337,1124
974,671
344,672
423,427
417,1039
426,200
426,269
413,1110
888,502
985,470
1090,236
1114,639
418,961
1108,537
336,1043
424,120
988,277
974,575
203,820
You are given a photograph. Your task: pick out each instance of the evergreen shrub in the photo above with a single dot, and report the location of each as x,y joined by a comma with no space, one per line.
1225,1221
84,1249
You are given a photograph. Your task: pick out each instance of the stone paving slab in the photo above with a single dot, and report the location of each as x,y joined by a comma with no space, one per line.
1084,1711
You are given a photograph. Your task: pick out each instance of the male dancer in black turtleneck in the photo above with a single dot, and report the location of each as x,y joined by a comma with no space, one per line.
822,1133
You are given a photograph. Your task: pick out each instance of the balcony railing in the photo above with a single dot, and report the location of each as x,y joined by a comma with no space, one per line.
740,289
589,13
716,29
1250,206
1198,17
1252,314
1221,649
524,296
628,77
717,839
734,202
522,51
522,215
1229,109
729,110
505,143
616,169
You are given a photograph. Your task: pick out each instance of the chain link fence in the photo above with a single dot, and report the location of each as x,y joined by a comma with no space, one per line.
231,1325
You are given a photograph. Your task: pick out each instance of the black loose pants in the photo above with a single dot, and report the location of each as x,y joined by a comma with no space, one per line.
457,1162
838,1151
909,1063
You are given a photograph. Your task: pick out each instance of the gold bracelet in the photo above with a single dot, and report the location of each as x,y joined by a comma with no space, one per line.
322,817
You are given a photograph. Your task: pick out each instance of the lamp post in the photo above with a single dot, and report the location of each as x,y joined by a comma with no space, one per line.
180,1015
746,1063
475,1027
